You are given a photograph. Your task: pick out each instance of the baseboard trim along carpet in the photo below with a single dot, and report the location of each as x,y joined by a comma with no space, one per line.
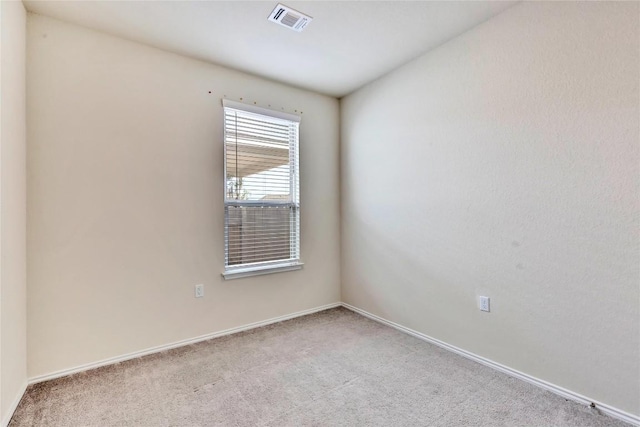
14,406
157,349
567,394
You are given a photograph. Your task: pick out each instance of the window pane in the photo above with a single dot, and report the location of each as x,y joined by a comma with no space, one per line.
261,190
271,184
260,234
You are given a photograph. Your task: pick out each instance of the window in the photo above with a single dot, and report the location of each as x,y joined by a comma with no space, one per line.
261,201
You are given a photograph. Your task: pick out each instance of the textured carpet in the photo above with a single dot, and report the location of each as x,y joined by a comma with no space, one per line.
334,368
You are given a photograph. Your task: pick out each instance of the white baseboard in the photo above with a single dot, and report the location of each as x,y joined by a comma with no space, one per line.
14,406
157,349
567,394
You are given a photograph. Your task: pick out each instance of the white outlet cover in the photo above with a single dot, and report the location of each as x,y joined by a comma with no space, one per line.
484,303
199,291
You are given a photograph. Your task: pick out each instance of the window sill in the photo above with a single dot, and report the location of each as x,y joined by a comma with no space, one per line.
257,271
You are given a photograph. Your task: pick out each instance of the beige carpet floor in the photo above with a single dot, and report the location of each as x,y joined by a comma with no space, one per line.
333,368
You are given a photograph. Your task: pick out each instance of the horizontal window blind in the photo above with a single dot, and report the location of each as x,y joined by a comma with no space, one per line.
262,209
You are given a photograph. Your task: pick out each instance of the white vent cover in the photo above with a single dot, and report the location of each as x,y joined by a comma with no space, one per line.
289,18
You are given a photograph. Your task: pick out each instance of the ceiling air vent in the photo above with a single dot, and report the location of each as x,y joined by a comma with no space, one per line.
289,18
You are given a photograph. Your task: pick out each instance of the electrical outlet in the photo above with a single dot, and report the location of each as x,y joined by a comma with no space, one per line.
199,291
484,303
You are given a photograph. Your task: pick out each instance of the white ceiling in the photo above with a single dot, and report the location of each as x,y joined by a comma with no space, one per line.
348,44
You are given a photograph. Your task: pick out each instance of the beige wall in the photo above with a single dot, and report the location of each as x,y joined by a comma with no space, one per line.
13,196
505,163
125,197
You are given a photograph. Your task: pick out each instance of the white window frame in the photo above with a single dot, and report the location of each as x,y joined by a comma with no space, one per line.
276,266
